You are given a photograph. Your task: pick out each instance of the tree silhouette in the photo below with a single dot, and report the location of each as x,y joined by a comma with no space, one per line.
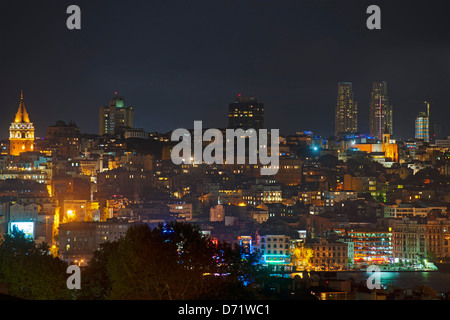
96,282
30,270
172,261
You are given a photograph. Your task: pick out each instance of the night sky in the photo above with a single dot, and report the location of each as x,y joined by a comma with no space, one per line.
180,61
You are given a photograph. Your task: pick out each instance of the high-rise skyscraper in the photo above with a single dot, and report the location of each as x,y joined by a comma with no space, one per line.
115,116
380,111
422,131
246,113
21,132
346,113
422,125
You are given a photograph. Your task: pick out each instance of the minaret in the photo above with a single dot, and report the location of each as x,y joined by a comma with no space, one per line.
21,131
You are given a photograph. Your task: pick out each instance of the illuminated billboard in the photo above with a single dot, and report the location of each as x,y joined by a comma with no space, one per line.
26,227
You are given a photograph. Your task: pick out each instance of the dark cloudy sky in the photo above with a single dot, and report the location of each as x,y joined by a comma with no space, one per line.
180,61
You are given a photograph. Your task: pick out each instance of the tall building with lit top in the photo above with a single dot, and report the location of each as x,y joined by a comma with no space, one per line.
246,113
380,111
115,116
422,125
21,132
346,115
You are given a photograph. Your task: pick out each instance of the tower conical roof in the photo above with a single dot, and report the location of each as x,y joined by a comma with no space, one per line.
21,115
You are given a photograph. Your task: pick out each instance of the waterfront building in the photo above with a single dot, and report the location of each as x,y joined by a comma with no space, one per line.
274,249
372,246
438,237
350,249
409,241
419,240
300,255
328,255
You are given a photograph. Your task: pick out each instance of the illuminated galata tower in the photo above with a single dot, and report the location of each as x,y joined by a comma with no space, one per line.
21,132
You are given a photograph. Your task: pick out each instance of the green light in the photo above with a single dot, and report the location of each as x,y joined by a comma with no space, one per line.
279,258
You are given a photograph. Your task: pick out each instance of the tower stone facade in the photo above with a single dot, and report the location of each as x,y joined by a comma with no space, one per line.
21,132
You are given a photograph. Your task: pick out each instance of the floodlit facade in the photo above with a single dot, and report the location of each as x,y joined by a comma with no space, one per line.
372,247
329,255
409,241
21,132
274,249
422,127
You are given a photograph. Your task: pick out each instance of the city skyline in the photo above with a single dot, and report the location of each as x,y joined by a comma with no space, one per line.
217,151
290,55
125,115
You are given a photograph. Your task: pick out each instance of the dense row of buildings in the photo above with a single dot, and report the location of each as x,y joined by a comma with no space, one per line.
335,203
